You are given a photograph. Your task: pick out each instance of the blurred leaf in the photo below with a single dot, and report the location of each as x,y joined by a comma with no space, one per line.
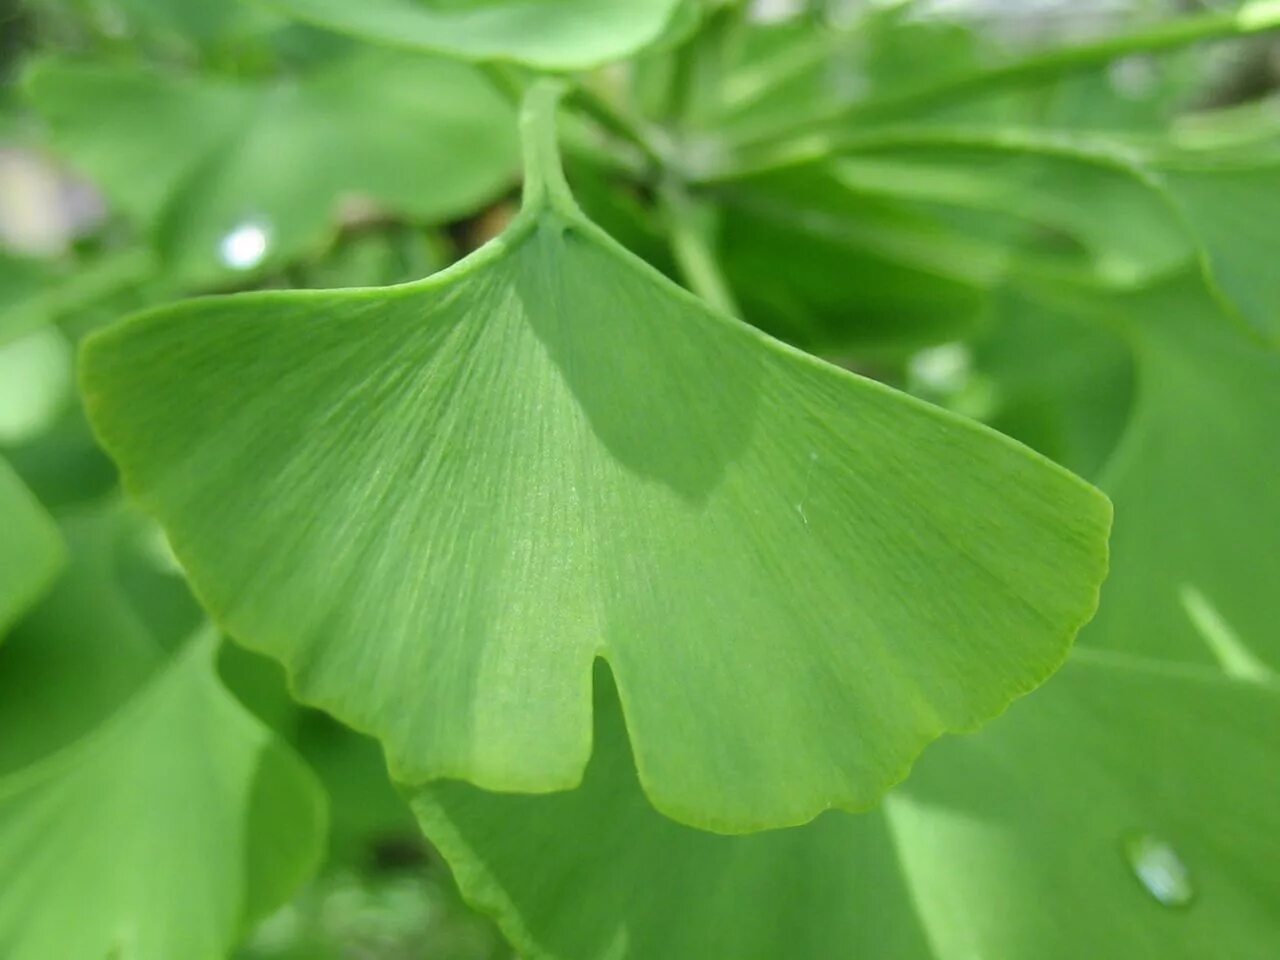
31,551
546,34
1127,231
378,258
828,267
204,23
1079,184
406,915
163,833
137,797
548,454
767,78
24,282
1233,210
35,384
89,640
1184,444
934,95
364,808
239,177
900,248
367,811
36,292
1194,480
1064,384
64,465
179,28
1054,834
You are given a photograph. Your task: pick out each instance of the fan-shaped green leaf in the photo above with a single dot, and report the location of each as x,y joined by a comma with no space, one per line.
1054,834
229,177
548,34
143,812
438,503
31,551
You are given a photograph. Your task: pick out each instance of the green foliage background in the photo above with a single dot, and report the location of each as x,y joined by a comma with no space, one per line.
643,492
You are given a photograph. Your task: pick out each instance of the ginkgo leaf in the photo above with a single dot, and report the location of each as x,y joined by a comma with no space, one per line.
31,551
137,798
439,503
547,34
1088,822
231,180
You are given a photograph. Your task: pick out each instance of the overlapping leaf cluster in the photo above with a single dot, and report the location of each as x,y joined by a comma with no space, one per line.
622,531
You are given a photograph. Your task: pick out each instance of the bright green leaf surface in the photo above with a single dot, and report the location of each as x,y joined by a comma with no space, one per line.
30,548
225,173
548,34
439,503
1008,843
143,812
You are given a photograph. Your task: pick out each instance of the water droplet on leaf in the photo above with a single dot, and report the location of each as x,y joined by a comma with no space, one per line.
1159,869
245,247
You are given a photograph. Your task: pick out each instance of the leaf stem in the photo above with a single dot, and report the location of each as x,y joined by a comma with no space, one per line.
692,226
544,180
